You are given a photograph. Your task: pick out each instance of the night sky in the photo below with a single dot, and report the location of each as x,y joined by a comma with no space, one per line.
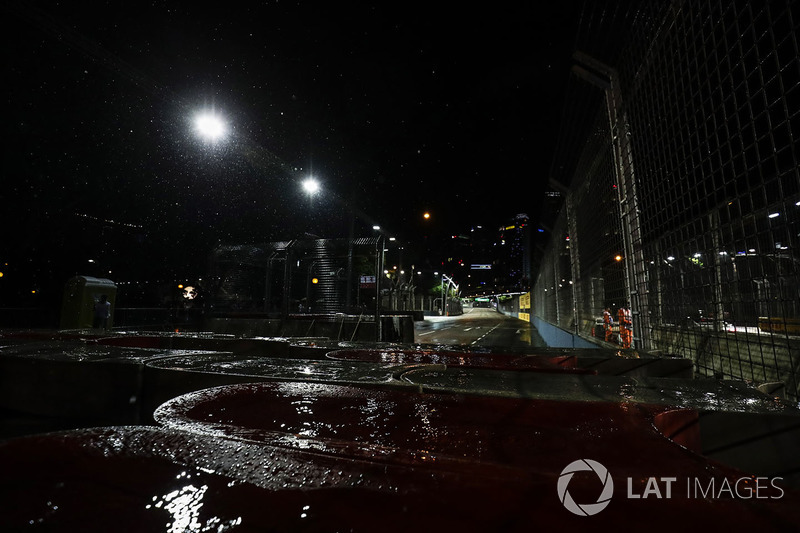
396,109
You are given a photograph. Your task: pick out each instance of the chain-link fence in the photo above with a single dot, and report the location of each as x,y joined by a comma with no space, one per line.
677,167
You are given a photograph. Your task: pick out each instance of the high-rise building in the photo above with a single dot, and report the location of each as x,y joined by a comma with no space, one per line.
514,254
481,260
489,259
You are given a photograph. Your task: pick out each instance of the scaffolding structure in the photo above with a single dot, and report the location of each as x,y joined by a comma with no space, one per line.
278,279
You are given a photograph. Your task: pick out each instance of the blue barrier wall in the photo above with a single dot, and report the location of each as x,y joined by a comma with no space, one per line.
556,337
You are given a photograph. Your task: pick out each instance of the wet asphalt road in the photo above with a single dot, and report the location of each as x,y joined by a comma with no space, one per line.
478,327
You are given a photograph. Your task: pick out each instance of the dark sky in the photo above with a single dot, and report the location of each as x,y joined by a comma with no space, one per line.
395,108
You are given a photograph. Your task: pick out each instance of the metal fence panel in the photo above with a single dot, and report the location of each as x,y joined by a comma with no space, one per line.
678,161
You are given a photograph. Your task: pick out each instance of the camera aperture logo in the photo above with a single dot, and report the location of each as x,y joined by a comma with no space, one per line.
585,509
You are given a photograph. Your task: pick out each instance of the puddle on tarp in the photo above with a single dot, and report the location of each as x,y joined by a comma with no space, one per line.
701,394
145,479
283,368
151,479
80,352
453,358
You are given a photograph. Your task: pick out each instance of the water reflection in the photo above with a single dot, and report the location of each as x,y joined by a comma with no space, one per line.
428,426
184,506
307,426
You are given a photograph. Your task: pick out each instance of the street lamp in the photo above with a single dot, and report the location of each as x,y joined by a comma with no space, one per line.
311,186
210,126
445,303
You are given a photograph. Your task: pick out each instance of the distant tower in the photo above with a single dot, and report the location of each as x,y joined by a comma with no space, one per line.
515,246
481,260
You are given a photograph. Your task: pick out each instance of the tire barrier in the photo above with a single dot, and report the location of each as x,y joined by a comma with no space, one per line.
289,456
422,434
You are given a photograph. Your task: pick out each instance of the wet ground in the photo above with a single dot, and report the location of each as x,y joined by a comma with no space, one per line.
478,327
206,432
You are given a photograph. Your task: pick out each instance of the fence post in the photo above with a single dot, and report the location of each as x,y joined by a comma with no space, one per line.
719,310
287,273
378,275
555,285
635,272
574,259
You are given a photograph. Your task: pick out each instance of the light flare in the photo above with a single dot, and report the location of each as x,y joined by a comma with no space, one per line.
210,126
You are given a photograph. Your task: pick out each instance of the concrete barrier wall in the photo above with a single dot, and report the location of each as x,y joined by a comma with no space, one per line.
556,337
760,358
510,307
